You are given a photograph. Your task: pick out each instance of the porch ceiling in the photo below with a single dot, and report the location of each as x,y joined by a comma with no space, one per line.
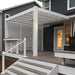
44,17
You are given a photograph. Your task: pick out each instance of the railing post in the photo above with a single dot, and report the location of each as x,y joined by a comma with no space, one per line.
17,51
3,62
24,47
63,61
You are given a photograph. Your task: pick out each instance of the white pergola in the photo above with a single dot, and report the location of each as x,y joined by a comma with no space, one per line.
35,16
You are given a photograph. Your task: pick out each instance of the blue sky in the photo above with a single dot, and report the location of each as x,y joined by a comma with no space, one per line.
9,3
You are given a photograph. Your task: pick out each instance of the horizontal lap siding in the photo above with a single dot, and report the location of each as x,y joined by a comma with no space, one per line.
60,6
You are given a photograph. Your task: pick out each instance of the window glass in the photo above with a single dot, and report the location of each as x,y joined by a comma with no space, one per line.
67,38
72,3
47,8
59,38
47,3
67,33
68,28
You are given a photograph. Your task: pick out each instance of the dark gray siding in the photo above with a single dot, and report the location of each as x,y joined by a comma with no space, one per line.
14,11
60,6
48,37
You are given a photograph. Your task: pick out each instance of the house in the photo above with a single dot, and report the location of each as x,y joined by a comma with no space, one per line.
66,28
5,13
49,28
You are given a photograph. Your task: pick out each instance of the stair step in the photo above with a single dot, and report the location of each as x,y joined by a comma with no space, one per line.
17,72
5,74
32,70
39,62
34,67
26,66
35,64
23,71
8,72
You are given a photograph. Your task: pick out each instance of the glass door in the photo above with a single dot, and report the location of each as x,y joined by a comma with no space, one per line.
58,36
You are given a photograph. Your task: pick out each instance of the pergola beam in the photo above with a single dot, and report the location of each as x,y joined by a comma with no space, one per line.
20,14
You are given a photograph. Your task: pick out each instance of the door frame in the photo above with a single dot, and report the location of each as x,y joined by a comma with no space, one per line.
55,38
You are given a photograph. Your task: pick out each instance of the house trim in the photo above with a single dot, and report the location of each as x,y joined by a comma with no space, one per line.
68,5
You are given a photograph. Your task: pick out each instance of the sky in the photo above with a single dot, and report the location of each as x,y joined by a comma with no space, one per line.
10,3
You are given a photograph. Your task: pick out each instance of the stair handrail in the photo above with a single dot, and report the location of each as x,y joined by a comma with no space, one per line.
3,53
11,49
15,46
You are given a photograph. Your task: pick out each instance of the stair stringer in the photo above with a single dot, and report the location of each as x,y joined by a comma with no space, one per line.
54,71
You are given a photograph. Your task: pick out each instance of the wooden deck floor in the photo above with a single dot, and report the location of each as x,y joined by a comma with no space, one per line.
49,57
43,56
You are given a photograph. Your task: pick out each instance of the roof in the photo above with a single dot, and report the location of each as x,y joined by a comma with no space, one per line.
21,5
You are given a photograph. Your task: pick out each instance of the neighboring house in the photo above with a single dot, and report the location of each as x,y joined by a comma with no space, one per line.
5,13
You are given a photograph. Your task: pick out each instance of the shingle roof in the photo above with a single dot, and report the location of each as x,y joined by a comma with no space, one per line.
20,5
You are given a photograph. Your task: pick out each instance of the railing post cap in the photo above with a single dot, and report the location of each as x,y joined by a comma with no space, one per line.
24,38
3,52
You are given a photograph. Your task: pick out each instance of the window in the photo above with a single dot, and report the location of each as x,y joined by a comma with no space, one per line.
7,15
47,4
67,33
71,4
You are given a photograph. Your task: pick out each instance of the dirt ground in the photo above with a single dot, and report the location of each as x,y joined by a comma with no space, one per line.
7,63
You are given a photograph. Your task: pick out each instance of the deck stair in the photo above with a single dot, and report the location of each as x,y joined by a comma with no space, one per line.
26,66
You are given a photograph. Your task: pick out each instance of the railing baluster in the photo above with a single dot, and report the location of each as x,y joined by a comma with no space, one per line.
24,47
3,61
17,51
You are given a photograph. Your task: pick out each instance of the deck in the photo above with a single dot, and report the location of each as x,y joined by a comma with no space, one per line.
47,56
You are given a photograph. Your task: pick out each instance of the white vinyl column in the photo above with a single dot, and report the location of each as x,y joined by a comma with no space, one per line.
35,31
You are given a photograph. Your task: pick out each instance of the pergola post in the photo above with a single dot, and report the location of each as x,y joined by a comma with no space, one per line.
35,31
6,34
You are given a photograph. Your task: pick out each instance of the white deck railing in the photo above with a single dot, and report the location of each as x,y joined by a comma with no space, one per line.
11,50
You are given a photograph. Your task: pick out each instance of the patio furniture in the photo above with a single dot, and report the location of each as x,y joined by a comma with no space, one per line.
72,43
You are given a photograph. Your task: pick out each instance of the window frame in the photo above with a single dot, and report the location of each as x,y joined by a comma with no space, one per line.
65,33
48,6
68,5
